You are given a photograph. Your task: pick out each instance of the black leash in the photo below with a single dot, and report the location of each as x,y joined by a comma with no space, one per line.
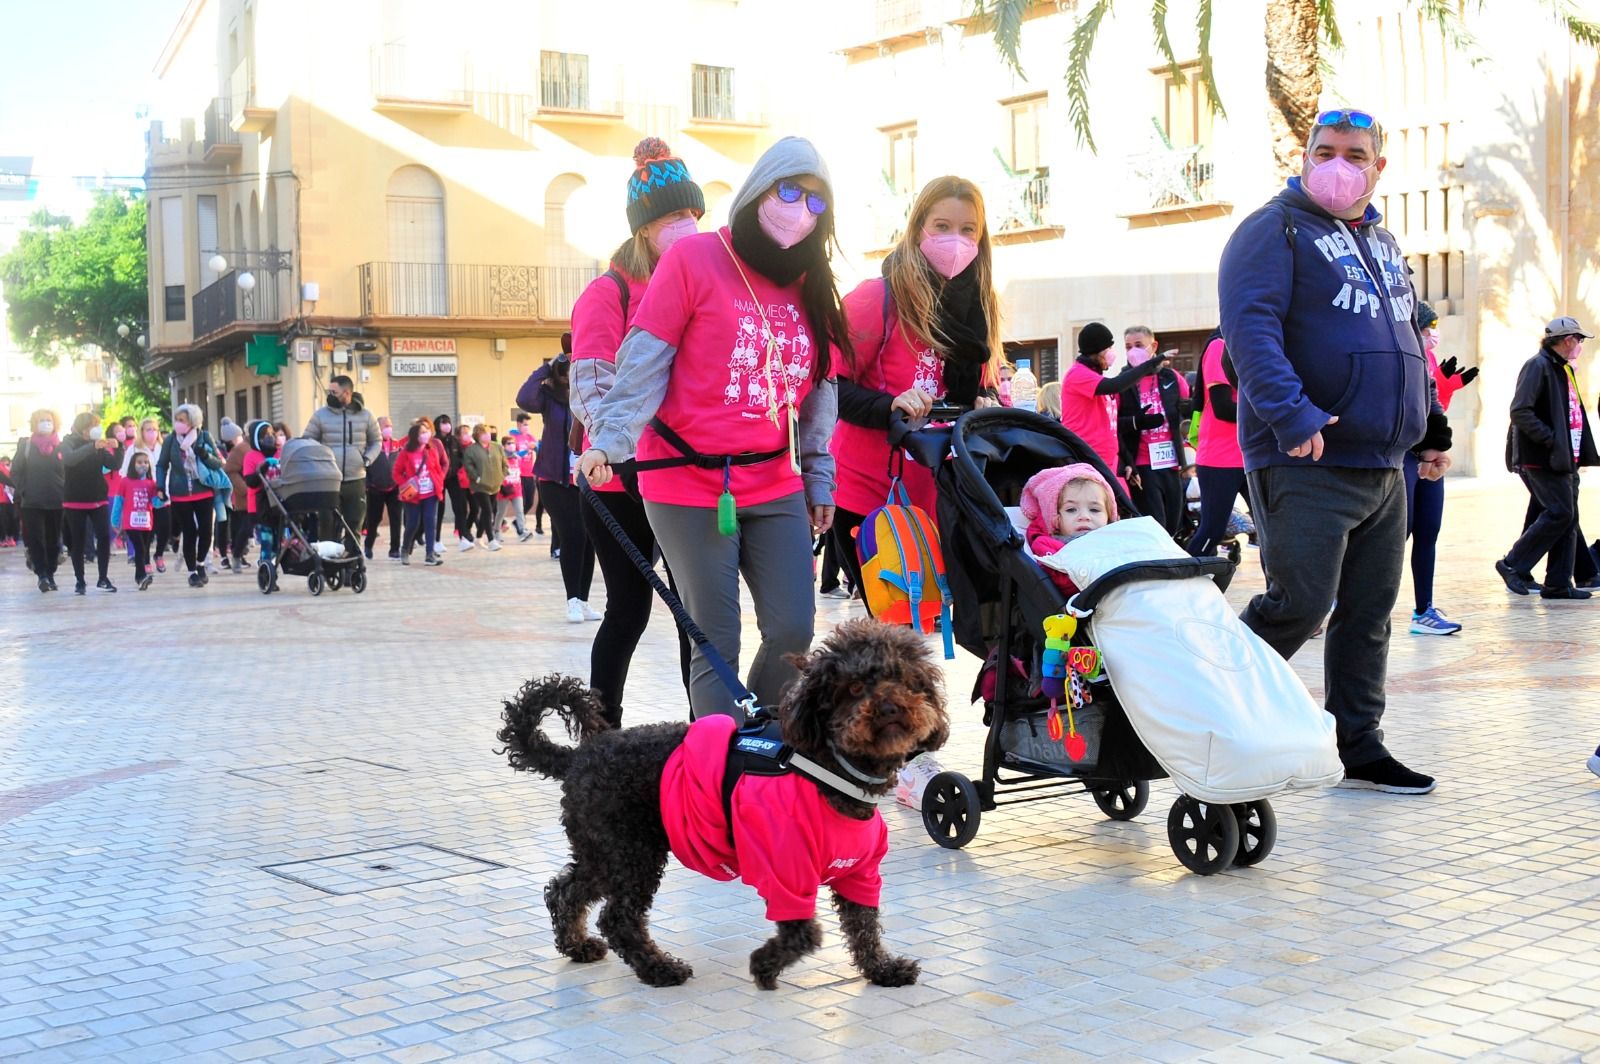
730,679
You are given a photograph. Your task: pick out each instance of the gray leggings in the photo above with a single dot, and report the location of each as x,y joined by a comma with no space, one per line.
773,551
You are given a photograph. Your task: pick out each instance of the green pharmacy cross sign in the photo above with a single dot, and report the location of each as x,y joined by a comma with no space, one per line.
265,354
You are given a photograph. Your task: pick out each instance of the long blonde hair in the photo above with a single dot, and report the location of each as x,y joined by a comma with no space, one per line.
637,256
916,302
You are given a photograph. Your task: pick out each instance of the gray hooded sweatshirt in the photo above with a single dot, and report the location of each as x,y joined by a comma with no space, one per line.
644,361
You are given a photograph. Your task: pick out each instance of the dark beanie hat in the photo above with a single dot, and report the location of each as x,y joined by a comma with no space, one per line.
1094,338
660,185
1427,317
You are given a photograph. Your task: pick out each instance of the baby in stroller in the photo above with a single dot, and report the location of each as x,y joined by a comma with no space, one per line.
1062,504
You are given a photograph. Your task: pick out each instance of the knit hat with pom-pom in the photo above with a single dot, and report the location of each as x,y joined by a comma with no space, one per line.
660,185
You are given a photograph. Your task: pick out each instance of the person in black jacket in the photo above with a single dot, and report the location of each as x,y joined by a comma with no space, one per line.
460,498
39,478
1150,434
86,457
1548,442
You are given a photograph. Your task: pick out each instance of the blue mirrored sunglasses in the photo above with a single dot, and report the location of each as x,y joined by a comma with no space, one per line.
1357,119
789,192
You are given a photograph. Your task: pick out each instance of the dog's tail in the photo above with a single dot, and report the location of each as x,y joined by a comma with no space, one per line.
528,748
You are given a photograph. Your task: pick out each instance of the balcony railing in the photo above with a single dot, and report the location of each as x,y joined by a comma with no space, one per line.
471,290
225,302
420,78
1167,178
1025,200
220,136
247,113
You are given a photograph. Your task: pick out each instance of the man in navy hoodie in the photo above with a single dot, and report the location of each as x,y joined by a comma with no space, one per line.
1317,306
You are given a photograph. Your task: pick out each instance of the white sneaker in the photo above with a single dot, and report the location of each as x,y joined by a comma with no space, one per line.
914,777
575,610
466,544
588,614
494,544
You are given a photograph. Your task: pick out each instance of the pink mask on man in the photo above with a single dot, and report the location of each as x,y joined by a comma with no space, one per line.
1336,185
948,253
1138,355
669,234
786,224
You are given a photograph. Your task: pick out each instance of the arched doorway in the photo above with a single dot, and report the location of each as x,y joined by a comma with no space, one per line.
565,275
416,273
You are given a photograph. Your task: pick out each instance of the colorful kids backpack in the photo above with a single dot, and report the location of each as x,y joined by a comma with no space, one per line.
902,567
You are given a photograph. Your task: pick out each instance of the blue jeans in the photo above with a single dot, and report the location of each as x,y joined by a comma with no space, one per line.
424,512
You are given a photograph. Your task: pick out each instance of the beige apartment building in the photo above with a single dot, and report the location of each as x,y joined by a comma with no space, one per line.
1490,188
414,193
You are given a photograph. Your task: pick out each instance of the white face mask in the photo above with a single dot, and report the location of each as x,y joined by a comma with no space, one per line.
97,433
46,427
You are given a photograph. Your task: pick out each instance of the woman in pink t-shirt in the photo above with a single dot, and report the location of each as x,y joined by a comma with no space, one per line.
726,375
928,329
1089,397
1219,463
664,206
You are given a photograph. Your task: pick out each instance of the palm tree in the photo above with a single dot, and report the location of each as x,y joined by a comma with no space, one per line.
1296,31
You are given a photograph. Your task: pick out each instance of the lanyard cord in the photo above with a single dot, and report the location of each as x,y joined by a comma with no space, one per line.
766,326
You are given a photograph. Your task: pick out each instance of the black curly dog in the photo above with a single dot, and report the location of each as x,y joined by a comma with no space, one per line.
870,688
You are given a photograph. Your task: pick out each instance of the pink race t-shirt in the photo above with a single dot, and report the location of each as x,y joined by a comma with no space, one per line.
598,327
1219,440
787,840
1157,449
726,375
892,364
1093,417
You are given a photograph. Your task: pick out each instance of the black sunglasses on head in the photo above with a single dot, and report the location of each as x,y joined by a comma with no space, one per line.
790,192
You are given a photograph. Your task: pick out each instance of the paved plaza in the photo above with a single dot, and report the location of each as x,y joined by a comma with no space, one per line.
243,828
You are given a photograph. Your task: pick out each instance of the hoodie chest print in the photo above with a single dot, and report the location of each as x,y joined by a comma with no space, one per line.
1358,294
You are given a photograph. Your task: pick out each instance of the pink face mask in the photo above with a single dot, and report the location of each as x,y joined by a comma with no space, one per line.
424,437
1336,185
150,435
387,432
1138,355
669,234
786,224
948,253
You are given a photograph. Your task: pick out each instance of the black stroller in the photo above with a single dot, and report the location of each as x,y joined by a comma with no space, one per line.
1001,598
307,484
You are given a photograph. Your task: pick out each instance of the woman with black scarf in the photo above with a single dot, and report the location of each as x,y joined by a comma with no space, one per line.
726,375
928,329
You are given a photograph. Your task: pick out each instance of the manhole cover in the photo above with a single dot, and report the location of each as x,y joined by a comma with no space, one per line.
393,866
324,770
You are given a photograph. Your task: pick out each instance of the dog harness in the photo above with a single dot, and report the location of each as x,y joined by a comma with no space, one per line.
764,821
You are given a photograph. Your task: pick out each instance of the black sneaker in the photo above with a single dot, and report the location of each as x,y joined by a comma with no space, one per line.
195,581
1514,582
368,553
106,585
1387,775
80,588
394,555
145,581
433,559
51,580
44,585
1565,593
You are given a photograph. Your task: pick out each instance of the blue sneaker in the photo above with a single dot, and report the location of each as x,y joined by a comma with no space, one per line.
1594,762
1431,622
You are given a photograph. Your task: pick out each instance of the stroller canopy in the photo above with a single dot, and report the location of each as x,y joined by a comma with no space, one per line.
307,466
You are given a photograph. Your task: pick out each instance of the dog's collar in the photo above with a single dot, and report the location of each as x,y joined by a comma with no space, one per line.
832,780
855,773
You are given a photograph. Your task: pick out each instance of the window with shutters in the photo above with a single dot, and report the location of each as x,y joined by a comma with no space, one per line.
902,159
712,91
205,209
564,81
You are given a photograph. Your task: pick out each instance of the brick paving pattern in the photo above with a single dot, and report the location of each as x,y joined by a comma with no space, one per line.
163,754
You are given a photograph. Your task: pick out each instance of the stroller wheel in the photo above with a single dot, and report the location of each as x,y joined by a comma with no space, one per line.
950,810
1205,837
358,580
1258,831
314,582
1124,801
264,577
335,581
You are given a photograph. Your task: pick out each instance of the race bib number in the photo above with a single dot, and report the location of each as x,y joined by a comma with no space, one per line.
1577,442
143,520
1163,455
424,484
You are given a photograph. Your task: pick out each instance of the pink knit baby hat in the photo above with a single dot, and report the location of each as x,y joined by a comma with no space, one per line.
1041,496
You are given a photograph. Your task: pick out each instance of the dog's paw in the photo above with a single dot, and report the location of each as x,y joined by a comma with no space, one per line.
766,980
896,971
589,950
669,971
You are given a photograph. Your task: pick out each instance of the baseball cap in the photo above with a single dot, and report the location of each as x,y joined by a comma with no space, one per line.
1565,327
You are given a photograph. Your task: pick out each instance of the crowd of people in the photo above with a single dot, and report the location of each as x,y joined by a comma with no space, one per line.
730,409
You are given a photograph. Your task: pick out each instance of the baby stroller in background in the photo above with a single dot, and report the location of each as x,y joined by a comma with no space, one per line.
307,484
1002,597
